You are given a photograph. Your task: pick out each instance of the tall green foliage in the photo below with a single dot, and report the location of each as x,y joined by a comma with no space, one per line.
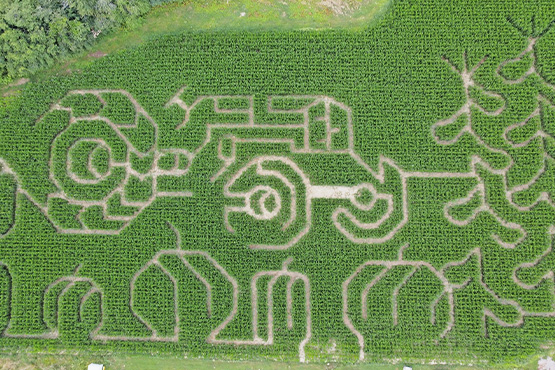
33,33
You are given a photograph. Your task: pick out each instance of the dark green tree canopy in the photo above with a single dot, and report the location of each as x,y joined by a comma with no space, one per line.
33,33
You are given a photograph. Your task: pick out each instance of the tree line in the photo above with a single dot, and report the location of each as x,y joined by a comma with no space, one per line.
35,33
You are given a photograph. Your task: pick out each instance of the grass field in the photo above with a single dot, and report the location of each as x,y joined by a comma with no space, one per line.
146,362
143,362
378,194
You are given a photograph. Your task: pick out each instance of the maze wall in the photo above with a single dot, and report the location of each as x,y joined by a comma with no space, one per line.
317,196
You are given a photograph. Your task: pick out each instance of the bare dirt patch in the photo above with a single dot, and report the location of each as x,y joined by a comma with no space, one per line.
338,7
21,81
97,54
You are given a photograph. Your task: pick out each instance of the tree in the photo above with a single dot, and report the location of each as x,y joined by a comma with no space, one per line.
34,33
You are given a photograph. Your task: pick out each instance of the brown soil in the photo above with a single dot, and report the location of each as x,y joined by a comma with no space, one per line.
19,82
97,54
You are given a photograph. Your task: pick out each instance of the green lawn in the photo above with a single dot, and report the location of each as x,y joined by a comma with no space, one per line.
141,362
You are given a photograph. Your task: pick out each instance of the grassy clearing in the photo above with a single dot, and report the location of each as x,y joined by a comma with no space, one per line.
142,362
222,15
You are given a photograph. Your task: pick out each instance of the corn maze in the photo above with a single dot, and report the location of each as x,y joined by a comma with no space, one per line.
311,196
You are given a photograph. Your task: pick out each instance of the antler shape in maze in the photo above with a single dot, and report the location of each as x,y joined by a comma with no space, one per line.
528,53
450,130
462,212
535,130
275,275
530,275
492,302
536,126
